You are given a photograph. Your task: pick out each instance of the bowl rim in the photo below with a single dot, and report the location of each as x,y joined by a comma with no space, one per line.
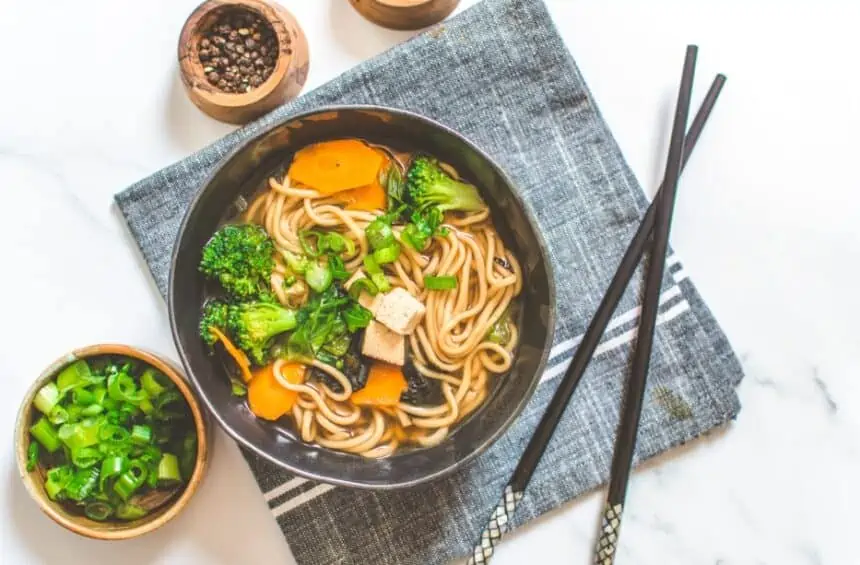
524,208
34,487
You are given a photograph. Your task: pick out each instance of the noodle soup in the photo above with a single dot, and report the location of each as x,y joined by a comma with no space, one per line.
364,297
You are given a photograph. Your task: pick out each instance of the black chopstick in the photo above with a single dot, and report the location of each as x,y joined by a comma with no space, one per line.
631,410
498,524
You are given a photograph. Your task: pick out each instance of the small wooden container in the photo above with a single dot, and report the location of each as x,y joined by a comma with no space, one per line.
285,82
405,14
109,530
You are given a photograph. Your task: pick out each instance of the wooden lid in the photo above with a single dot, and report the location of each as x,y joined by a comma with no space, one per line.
405,14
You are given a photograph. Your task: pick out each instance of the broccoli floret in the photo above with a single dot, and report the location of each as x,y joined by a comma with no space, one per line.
214,315
240,258
254,324
427,184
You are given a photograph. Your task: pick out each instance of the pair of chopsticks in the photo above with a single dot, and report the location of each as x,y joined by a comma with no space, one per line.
657,223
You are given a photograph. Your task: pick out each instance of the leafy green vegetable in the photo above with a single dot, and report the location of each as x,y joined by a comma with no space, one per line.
240,258
319,277
362,285
337,268
357,317
392,179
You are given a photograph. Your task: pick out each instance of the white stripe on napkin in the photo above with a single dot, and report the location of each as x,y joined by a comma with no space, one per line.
620,320
618,340
284,488
306,496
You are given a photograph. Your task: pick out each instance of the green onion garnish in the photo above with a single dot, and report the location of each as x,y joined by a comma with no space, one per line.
47,398
109,429
45,434
387,254
32,456
440,283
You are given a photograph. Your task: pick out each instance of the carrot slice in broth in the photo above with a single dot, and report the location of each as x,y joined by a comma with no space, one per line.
335,166
267,398
385,384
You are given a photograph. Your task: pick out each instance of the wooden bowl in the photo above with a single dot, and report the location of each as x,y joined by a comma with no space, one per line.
405,14
285,82
80,524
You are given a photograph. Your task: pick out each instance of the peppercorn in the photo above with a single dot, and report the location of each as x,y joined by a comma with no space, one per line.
238,52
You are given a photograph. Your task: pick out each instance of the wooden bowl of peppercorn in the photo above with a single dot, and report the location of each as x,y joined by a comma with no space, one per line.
240,59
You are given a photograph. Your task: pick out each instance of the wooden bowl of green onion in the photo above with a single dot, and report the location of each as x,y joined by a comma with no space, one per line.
111,442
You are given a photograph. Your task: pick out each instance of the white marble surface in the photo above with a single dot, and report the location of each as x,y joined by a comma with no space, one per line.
768,225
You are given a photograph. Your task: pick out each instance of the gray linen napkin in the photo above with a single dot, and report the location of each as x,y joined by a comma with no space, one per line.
500,74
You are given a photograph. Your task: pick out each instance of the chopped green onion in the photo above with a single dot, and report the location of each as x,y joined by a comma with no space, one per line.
75,375
377,275
500,332
440,283
149,382
318,277
80,434
83,397
58,415
122,388
357,317
32,456
146,406
73,413
130,512
45,434
98,510
130,480
112,466
85,457
362,285
141,435
379,233
310,248
99,394
387,254
168,469
57,479
92,410
47,398
82,483
113,433
188,459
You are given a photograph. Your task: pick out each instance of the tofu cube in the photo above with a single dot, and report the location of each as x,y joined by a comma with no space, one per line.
399,311
366,300
383,344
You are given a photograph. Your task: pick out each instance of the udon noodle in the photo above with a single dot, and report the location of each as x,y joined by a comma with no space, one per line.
450,344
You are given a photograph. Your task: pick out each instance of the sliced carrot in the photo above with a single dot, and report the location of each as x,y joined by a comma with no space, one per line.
237,354
267,398
385,384
335,166
369,198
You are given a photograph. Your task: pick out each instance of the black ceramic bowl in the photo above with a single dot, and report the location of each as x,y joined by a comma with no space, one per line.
245,171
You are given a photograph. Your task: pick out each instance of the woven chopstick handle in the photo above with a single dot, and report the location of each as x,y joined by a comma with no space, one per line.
498,526
607,543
